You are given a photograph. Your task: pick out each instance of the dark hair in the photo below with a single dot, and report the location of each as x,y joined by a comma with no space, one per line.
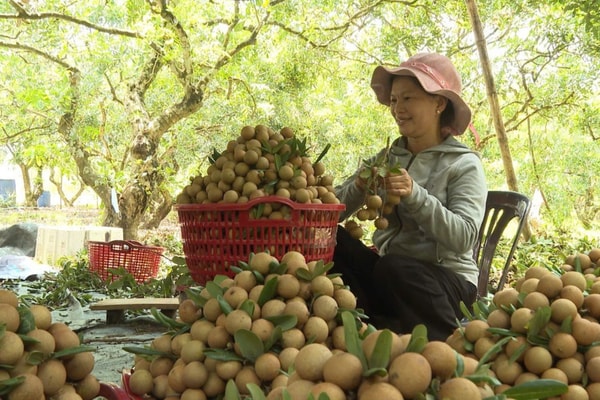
447,116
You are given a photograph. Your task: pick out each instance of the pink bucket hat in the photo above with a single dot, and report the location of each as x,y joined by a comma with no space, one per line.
437,75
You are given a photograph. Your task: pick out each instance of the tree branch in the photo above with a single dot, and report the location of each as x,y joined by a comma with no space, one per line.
23,14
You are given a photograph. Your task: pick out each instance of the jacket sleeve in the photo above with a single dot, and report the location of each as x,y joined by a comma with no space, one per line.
456,224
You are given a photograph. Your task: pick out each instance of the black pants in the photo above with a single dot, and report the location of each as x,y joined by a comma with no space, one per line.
398,292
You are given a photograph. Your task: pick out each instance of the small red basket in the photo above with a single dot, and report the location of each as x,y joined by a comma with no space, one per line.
139,260
217,236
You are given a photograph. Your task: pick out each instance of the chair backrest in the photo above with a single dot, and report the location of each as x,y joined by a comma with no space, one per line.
500,209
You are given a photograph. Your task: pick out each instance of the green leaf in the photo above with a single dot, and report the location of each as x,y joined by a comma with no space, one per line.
418,339
323,153
225,306
256,392
235,270
275,267
36,358
518,352
540,319
231,391
248,306
484,378
222,355
250,344
27,323
536,389
7,385
242,265
274,338
460,365
304,274
73,350
380,357
567,325
195,296
382,372
353,342
503,332
496,348
321,268
481,309
323,396
268,291
167,321
465,311
260,279
214,290
147,351
285,322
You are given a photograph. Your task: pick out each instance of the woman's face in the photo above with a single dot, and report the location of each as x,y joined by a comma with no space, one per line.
416,112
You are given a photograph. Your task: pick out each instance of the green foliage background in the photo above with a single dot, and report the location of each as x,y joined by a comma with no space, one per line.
309,69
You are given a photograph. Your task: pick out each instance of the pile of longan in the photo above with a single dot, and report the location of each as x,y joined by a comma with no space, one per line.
261,162
41,358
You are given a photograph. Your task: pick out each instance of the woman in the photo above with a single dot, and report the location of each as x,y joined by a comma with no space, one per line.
424,267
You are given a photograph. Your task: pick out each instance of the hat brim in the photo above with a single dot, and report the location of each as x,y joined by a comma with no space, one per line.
381,83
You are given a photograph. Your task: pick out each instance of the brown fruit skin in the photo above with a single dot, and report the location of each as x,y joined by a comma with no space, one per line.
575,392
380,391
572,367
9,316
441,358
88,388
42,316
189,312
459,389
141,382
562,345
310,361
32,388
80,365
11,341
410,373
343,369
65,338
593,390
9,297
592,368
537,359
332,391
53,376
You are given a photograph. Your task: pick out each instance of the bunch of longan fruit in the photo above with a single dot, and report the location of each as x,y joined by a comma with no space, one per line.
262,162
40,358
378,202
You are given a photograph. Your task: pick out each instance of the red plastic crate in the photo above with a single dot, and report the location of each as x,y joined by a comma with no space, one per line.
139,260
218,236
111,391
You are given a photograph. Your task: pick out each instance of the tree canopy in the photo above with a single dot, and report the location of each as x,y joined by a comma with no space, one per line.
131,96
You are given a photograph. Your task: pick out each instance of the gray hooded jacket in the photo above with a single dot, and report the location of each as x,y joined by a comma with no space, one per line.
440,220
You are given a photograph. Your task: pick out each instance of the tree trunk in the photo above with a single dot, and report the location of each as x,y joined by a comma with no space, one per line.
161,208
33,189
492,95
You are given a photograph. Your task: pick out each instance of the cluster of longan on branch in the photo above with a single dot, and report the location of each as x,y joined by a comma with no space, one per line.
378,202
